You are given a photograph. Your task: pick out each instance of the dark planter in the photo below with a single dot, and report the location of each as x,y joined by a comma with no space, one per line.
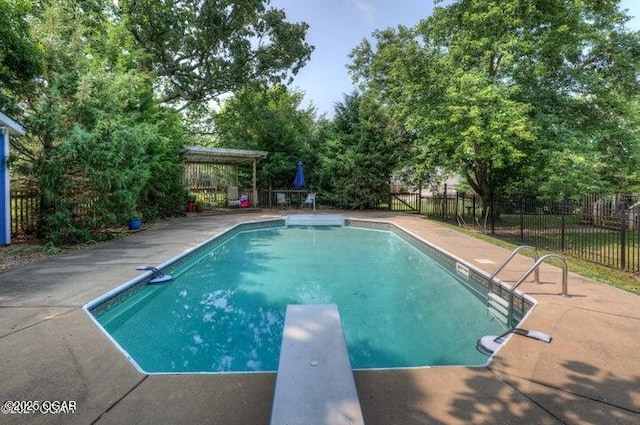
134,223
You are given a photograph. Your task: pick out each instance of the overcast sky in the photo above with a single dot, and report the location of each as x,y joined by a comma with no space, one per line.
337,26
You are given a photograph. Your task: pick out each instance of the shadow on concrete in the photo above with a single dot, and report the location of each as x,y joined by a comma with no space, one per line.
590,396
479,396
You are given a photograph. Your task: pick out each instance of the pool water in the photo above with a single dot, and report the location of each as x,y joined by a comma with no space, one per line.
224,311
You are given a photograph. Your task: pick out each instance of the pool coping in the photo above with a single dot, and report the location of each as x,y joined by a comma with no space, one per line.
51,351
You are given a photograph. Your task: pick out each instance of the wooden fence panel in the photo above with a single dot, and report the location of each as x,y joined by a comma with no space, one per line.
24,213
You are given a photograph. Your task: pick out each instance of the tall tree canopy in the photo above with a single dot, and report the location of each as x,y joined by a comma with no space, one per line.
201,49
514,94
363,146
20,55
270,119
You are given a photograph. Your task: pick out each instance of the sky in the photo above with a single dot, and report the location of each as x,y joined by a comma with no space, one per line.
336,27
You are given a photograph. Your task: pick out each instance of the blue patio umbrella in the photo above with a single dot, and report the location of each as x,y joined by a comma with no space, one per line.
299,182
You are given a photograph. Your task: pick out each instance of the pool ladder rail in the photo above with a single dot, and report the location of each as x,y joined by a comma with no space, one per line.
157,276
533,269
489,344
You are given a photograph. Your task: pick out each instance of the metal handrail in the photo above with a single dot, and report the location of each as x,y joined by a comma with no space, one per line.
510,257
565,275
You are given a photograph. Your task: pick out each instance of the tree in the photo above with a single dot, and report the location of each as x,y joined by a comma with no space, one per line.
506,93
202,49
270,119
362,150
121,163
98,147
581,78
20,56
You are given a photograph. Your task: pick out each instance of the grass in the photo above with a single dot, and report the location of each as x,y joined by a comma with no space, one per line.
549,220
616,278
22,249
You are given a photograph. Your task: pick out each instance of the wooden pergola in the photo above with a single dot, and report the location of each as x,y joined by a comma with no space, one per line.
205,162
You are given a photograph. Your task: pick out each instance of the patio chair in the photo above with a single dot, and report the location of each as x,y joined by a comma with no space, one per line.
233,200
310,201
282,201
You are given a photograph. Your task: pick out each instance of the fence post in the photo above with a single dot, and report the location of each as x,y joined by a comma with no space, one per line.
563,229
492,202
523,205
622,214
444,203
473,202
420,198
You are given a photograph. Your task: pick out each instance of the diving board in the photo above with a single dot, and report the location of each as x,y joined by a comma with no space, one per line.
315,383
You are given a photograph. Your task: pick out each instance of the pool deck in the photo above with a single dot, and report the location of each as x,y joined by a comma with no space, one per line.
51,351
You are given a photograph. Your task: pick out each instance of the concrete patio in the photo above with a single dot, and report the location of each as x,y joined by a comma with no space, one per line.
51,351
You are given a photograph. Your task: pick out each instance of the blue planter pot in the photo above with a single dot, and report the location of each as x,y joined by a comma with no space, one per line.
134,223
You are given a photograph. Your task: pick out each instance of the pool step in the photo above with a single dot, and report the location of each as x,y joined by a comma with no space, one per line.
498,307
314,220
315,383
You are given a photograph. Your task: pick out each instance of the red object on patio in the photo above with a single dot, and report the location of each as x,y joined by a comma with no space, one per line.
244,201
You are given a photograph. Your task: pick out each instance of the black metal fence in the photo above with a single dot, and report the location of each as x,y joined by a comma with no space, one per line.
292,197
600,229
409,202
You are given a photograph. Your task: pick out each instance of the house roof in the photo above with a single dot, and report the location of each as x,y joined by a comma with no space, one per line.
222,155
12,126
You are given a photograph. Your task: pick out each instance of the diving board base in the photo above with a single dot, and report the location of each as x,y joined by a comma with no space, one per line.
315,383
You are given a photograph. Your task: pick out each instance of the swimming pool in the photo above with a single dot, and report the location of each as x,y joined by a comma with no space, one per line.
224,311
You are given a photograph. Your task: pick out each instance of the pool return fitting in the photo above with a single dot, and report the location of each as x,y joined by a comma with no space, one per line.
157,276
489,344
